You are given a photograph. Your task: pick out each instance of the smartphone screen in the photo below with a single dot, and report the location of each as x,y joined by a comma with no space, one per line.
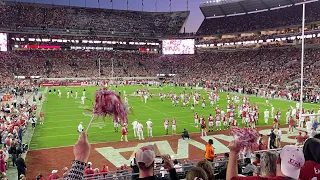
158,160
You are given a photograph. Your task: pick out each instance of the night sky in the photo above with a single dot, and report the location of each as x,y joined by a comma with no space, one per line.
194,21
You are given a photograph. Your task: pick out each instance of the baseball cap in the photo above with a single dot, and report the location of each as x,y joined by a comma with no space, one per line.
54,171
292,159
145,155
89,163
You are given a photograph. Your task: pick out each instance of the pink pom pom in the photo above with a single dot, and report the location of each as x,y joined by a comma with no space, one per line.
109,103
245,137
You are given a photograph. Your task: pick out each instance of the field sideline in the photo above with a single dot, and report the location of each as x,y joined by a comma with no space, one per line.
62,115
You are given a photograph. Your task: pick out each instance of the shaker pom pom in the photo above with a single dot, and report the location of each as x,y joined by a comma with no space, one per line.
245,137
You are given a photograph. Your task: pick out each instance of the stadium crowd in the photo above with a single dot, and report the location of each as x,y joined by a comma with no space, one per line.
290,162
66,17
276,69
15,115
264,71
267,69
258,21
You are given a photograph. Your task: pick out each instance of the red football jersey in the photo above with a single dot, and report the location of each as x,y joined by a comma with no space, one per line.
124,131
300,139
203,123
310,171
291,122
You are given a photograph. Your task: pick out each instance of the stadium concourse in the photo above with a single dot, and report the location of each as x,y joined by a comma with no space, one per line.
248,47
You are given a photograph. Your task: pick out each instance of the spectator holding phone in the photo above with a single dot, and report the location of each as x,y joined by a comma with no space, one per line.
145,161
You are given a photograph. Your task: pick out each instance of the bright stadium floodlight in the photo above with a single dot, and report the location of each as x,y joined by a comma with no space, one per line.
302,63
302,58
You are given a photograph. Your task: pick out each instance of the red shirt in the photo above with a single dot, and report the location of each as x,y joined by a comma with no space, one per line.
305,137
104,172
174,122
203,124
196,116
166,122
88,171
291,122
257,162
124,131
300,139
310,170
263,147
53,176
210,119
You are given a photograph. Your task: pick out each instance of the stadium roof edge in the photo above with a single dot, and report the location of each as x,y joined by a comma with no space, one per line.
213,9
108,9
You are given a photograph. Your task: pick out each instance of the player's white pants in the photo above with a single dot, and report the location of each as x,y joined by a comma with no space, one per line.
300,124
149,131
135,130
253,125
174,128
203,132
196,122
266,119
243,120
82,102
68,96
309,131
140,135
218,124
76,96
145,100
125,138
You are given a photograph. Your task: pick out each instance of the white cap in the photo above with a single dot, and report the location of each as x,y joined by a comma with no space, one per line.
89,163
54,171
292,159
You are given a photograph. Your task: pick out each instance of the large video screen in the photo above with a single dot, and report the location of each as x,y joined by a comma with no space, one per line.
3,42
178,46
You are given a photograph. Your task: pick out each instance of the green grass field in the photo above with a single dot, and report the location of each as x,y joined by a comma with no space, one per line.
62,115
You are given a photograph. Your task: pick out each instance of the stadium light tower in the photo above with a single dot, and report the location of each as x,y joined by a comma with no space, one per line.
302,60
99,68
302,57
112,72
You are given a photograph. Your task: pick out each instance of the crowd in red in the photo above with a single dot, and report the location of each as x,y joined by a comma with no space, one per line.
272,67
62,17
275,69
264,20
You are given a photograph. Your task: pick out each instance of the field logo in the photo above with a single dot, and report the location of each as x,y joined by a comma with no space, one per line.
114,155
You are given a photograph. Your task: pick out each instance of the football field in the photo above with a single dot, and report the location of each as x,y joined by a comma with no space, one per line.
63,115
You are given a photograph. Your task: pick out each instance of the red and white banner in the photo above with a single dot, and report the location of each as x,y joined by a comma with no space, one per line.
64,83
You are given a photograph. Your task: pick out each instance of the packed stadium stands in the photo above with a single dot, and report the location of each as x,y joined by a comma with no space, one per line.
273,67
29,15
277,67
273,19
